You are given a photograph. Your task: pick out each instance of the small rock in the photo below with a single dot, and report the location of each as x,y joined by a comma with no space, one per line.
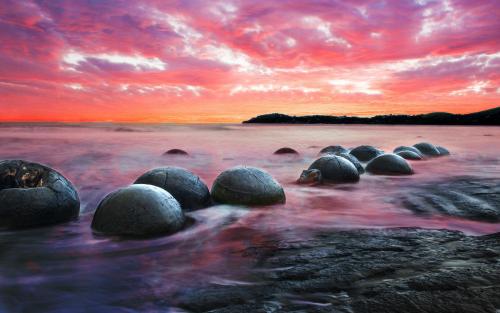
285,150
310,177
138,210
366,153
186,187
247,186
336,169
175,152
389,164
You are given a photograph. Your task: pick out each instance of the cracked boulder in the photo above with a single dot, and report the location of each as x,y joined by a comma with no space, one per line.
366,153
138,210
336,169
186,187
389,164
33,194
243,185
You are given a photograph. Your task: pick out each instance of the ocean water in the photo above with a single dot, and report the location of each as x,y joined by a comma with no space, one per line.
66,268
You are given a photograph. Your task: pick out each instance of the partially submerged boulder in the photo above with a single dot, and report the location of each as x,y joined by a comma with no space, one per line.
406,148
312,176
186,187
351,158
334,150
247,186
410,155
427,149
33,194
366,153
285,150
336,169
175,152
389,164
138,210
442,151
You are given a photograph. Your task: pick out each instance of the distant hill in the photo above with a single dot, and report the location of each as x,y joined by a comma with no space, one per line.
487,117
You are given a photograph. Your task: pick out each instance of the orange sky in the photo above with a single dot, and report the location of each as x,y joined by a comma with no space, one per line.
226,61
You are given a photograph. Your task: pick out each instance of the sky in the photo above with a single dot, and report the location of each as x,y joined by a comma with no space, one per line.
209,61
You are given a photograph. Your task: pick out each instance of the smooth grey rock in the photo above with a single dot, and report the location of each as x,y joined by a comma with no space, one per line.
336,169
366,153
406,148
285,150
427,149
33,194
138,210
310,177
334,150
410,155
186,187
247,186
389,164
442,151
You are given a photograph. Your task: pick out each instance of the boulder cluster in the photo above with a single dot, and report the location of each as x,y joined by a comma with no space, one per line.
33,194
337,164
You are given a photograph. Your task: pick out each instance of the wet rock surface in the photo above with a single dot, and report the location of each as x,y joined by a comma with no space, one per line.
389,164
247,186
310,177
465,197
334,150
427,149
388,271
351,158
409,155
186,187
138,210
406,148
33,194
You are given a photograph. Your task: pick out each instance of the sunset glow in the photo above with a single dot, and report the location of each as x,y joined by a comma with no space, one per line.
229,60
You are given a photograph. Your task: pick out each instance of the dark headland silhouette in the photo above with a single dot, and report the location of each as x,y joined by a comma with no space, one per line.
486,117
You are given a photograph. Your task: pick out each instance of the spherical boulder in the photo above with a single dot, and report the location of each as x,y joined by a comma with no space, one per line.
406,148
247,186
351,158
442,151
366,153
409,155
175,152
186,187
336,169
285,150
389,164
334,150
427,149
33,194
138,210
310,177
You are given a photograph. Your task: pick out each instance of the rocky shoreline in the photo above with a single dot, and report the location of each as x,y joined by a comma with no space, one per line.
391,270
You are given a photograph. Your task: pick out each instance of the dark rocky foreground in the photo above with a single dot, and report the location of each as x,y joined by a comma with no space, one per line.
464,197
486,117
395,270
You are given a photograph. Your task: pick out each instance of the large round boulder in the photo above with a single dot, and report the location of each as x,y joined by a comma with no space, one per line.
247,186
186,187
138,210
366,153
336,169
389,164
334,150
406,148
410,155
33,194
427,149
